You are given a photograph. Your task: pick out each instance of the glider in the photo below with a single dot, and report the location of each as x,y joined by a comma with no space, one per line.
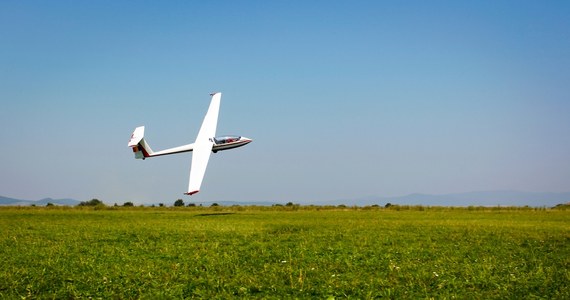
205,143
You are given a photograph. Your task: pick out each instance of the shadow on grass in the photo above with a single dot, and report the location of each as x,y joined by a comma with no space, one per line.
215,214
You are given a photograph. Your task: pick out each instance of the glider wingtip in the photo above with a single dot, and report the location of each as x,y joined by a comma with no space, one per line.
191,193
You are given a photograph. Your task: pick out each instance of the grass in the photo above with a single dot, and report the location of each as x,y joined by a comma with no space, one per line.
284,252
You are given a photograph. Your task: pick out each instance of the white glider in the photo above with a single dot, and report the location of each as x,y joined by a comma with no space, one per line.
205,143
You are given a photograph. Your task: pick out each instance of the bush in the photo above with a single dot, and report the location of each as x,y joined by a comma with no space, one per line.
179,202
128,203
92,202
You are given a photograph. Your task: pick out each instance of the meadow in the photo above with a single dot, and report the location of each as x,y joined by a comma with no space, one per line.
284,252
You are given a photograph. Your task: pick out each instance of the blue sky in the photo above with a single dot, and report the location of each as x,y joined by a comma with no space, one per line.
343,99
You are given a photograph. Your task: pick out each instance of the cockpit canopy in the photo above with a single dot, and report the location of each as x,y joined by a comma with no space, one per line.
220,140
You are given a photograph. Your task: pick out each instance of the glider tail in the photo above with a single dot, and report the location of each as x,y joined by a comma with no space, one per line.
140,147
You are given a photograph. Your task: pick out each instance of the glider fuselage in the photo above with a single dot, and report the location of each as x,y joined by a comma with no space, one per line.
220,144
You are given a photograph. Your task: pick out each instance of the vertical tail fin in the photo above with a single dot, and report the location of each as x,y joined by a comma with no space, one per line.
140,147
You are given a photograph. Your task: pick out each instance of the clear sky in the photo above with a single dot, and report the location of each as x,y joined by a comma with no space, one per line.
343,99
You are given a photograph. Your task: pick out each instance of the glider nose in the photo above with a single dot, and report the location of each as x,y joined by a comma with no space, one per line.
246,140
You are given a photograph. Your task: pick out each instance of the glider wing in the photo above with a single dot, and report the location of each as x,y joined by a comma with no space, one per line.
203,145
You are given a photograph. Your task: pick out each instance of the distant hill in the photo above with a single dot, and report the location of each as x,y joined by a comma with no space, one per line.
5,201
484,198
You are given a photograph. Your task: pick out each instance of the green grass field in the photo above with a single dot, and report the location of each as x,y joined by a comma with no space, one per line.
284,252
